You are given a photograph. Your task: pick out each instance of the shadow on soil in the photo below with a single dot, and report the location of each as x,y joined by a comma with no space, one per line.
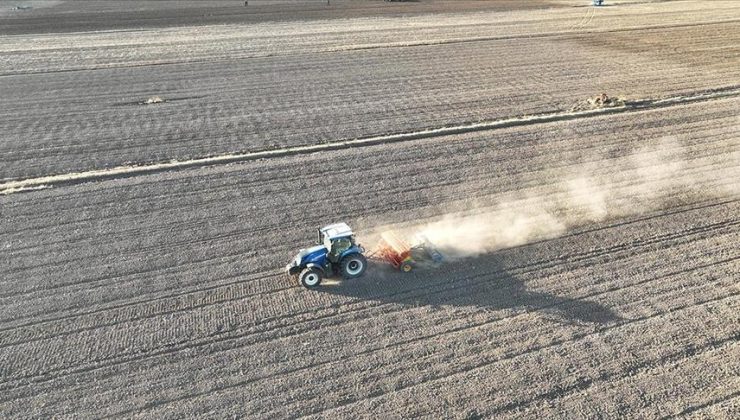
476,282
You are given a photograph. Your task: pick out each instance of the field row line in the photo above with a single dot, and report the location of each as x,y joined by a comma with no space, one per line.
461,123
239,280
430,290
487,361
98,365
186,345
481,364
370,46
379,172
710,403
130,171
639,369
237,253
243,232
594,253
259,179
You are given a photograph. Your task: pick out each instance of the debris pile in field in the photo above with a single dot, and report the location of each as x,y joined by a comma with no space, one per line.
601,101
605,101
154,100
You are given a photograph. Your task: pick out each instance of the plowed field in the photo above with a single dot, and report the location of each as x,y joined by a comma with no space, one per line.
594,257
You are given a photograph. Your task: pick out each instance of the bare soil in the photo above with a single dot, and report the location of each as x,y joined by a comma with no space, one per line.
162,295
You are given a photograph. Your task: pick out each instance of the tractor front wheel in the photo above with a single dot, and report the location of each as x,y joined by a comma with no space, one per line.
353,266
310,278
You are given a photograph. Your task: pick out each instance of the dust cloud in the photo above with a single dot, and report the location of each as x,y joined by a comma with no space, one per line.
647,179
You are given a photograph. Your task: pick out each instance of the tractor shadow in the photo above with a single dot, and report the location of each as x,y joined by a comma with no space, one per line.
479,283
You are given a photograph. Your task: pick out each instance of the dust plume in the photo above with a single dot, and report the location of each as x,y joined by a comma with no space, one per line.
649,178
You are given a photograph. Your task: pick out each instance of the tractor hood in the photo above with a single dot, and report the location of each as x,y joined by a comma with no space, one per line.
307,255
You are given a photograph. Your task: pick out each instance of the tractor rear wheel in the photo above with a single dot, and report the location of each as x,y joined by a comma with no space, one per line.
353,266
406,266
310,277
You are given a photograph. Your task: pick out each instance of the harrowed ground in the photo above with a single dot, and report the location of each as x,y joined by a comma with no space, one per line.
160,293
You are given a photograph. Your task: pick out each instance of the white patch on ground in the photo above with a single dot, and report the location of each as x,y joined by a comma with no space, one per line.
154,100
23,189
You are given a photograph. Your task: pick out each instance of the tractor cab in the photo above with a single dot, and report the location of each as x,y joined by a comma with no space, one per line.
336,252
337,239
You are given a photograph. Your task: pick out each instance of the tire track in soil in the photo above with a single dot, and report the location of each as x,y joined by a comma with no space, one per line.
378,169
98,365
669,283
555,116
478,365
237,233
653,390
197,302
295,400
405,45
732,400
642,368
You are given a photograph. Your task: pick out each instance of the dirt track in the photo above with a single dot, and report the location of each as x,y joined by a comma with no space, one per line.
160,295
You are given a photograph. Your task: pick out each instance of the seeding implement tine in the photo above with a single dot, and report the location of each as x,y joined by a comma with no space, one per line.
430,249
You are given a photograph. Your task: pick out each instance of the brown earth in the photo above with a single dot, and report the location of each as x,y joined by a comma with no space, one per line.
162,296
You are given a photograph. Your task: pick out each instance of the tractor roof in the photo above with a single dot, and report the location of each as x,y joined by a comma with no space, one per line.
337,230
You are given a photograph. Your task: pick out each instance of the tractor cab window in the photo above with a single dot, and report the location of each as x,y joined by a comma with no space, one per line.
337,246
342,244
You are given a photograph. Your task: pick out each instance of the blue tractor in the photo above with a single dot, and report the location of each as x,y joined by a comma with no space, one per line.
337,254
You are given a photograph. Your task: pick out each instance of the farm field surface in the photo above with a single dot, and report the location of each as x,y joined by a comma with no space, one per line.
594,252
73,101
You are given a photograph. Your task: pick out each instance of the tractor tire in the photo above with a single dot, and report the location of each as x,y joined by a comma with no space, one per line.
406,266
310,277
353,266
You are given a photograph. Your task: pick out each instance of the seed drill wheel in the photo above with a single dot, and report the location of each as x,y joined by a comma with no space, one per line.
406,266
353,266
310,278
